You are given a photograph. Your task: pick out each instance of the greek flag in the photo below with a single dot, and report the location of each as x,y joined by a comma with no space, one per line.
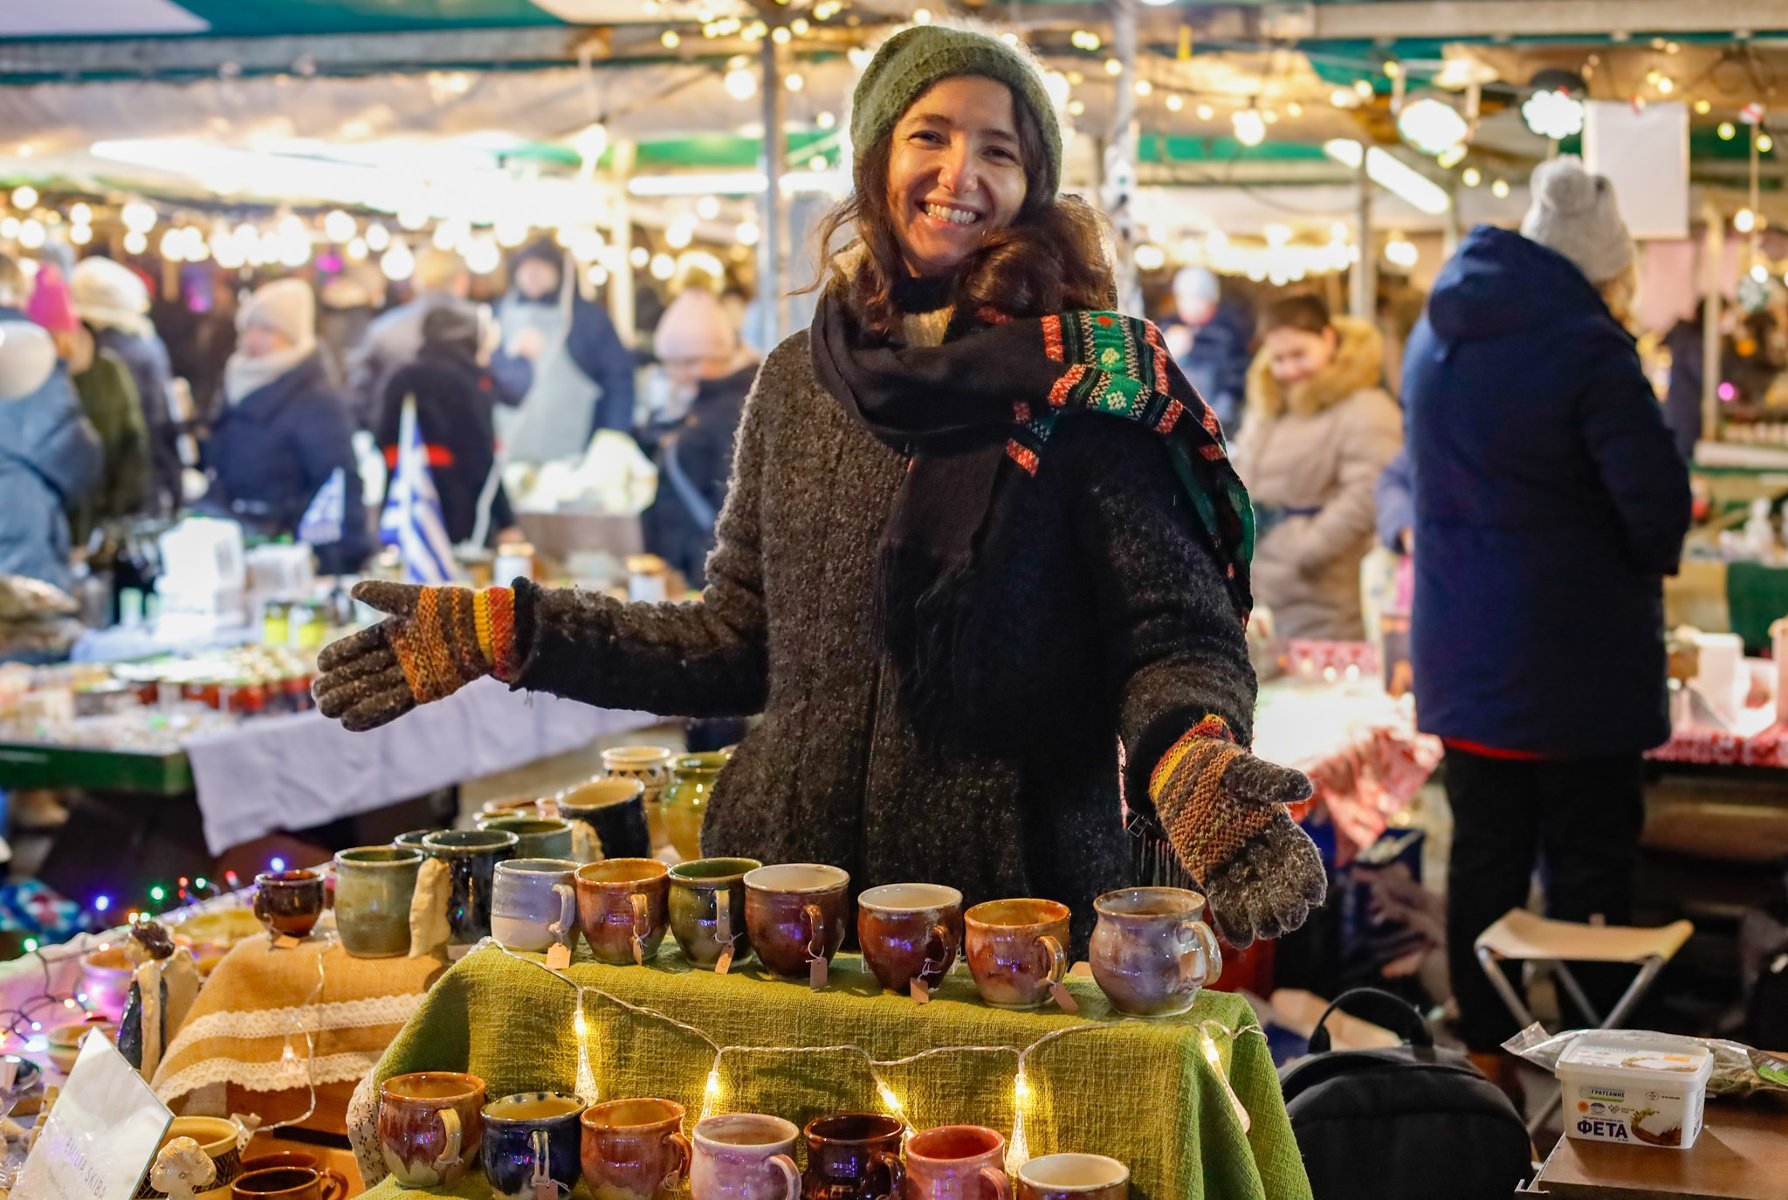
412,517
321,523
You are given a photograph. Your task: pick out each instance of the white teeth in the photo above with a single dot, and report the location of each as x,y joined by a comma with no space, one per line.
956,216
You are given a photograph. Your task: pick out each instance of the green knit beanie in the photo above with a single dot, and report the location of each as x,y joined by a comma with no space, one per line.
912,60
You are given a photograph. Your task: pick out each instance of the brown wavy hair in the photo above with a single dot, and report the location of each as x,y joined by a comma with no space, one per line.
1055,255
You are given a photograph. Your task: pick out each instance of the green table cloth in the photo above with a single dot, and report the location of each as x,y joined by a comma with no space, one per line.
1143,1091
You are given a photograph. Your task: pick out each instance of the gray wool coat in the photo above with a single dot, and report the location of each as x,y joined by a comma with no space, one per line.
1108,633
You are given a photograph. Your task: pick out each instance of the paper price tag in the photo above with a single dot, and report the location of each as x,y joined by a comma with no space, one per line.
1064,999
286,941
816,974
558,957
920,993
725,962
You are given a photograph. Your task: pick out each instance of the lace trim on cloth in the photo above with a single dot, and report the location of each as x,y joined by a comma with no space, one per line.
363,1132
299,1019
281,1075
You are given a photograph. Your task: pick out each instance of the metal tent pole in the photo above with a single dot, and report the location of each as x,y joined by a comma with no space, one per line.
771,255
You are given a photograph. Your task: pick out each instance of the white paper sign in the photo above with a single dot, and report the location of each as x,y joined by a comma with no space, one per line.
101,1137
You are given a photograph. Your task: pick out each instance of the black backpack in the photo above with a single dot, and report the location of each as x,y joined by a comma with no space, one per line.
1408,1121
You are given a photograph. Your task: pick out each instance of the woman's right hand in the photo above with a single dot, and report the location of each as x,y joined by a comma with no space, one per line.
434,642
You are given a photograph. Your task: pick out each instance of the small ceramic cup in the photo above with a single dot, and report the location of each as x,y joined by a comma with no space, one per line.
744,1156
957,1162
616,810
533,903
651,766
471,856
373,889
634,1149
1150,953
286,1158
1017,950
532,1138
537,837
854,1156
289,902
909,931
220,1138
1073,1177
431,1125
707,909
413,839
795,915
623,908
289,1183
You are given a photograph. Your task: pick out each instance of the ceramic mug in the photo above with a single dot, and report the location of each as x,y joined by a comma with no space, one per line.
1074,1177
854,1156
623,908
289,1183
651,766
471,856
634,1149
1150,953
616,810
220,1138
285,1158
795,915
909,931
289,902
957,1162
373,889
431,1125
1017,950
413,839
537,837
533,903
744,1156
532,1138
707,909
692,781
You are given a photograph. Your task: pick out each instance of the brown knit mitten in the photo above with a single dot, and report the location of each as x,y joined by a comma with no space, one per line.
437,640
1223,811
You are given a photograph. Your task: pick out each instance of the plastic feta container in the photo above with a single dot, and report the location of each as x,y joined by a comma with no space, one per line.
1641,1089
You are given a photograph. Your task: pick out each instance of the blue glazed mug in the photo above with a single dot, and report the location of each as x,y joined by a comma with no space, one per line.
532,1138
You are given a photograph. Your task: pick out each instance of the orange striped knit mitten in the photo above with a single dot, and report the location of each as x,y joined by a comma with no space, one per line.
436,640
1224,814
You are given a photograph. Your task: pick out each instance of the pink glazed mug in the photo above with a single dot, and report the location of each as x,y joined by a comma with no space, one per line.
956,1162
744,1156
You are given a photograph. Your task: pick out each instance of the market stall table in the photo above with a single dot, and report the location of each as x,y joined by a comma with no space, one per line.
1191,1103
1742,1154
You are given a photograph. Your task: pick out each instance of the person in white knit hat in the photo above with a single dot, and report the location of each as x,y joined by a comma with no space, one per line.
113,303
284,430
1550,501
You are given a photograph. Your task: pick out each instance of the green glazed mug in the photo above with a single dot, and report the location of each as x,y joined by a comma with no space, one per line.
373,889
707,909
540,837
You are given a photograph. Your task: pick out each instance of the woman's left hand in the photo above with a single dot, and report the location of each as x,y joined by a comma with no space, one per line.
1268,889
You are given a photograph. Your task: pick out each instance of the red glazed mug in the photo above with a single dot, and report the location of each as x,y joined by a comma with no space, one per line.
909,931
634,1149
795,915
430,1126
623,908
957,1162
1016,951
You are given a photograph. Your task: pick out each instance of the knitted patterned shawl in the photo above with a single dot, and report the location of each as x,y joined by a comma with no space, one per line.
976,414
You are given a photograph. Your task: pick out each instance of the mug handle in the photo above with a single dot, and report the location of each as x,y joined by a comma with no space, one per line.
673,1178
335,1184
890,1162
998,1181
564,927
816,945
1202,936
791,1178
642,913
1058,970
449,1119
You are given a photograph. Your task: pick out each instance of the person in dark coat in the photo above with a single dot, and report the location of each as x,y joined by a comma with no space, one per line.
454,400
699,349
1210,337
394,338
1550,502
956,568
1688,370
284,432
1394,497
113,302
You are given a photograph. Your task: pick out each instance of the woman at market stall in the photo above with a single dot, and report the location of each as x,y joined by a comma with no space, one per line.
983,566
1318,434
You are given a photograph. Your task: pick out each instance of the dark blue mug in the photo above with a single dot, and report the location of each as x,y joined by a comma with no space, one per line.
529,1138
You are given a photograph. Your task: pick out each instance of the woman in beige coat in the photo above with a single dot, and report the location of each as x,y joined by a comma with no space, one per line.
1318,433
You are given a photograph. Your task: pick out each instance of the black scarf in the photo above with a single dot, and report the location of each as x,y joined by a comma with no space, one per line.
975,415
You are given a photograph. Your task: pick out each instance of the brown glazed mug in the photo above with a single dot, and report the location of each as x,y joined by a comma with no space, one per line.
854,1156
623,908
909,931
430,1126
1017,950
744,1156
289,902
957,1162
289,1183
795,915
1073,1177
1150,953
634,1149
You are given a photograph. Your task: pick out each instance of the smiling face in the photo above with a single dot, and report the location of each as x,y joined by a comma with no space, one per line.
955,172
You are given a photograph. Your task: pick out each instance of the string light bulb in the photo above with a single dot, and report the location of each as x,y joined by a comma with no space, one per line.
889,1099
1249,126
24,197
1727,131
1702,108
671,39
1471,177
1175,102
1765,143
1500,189
1744,221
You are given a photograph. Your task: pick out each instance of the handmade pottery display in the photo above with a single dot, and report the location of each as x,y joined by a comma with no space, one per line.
616,810
1150,952
1016,950
651,766
744,1156
957,1162
530,1138
707,909
373,889
431,1125
220,1139
1073,1177
471,856
795,915
909,931
854,1156
534,903
289,902
623,908
538,837
634,1149
692,781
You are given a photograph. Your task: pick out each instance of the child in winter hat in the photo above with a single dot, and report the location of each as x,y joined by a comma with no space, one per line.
1575,214
110,295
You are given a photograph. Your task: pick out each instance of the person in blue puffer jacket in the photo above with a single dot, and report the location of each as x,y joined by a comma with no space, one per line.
1550,502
